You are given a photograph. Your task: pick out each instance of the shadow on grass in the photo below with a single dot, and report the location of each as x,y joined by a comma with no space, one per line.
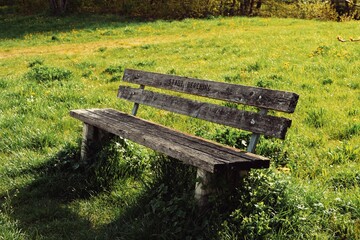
164,210
167,209
13,26
41,208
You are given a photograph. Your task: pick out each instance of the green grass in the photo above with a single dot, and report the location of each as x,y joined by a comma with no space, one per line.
49,66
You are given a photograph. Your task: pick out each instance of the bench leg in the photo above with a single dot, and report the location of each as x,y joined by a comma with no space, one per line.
93,140
203,186
234,179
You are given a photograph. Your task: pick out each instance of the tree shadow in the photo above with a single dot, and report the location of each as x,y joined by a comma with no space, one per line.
14,27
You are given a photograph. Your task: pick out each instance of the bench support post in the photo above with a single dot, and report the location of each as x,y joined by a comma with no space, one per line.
202,187
255,136
136,105
93,140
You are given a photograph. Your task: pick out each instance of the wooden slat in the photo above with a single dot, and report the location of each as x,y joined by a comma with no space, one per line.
195,151
228,154
131,131
250,121
253,96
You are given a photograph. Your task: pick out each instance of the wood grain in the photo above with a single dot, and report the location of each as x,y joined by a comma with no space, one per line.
250,121
252,96
201,153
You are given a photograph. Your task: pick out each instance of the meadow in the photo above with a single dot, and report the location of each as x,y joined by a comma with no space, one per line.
49,66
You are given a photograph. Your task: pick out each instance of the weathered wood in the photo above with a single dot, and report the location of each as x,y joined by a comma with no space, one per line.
203,186
201,153
256,136
136,104
209,157
250,121
228,154
93,140
252,96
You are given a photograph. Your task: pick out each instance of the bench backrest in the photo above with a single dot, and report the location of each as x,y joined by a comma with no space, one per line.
256,122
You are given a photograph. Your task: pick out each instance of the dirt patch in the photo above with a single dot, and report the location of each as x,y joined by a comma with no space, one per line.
84,48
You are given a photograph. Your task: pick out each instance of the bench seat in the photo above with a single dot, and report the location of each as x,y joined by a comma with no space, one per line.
201,153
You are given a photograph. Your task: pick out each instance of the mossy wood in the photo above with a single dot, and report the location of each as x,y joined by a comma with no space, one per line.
209,157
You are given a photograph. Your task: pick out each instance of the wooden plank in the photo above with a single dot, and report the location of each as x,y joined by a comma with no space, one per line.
253,96
227,154
203,187
250,121
140,135
191,150
93,140
136,105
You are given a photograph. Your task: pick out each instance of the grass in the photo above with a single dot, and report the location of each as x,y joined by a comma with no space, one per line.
49,66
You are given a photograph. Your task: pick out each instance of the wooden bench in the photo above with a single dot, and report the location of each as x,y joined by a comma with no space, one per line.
207,156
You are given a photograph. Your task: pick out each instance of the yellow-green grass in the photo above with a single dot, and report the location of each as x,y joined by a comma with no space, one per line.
322,147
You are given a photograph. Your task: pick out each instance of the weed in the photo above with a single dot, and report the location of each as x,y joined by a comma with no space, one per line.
306,86
350,131
353,112
275,150
84,65
115,78
231,105
263,203
253,67
345,180
343,154
35,63
264,83
171,71
114,70
45,73
203,131
145,63
120,159
276,77
55,38
327,81
87,73
146,46
314,143
316,118
232,137
321,51
354,86
102,49
232,78
3,83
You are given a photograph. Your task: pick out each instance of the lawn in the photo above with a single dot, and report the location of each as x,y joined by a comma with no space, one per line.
49,66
